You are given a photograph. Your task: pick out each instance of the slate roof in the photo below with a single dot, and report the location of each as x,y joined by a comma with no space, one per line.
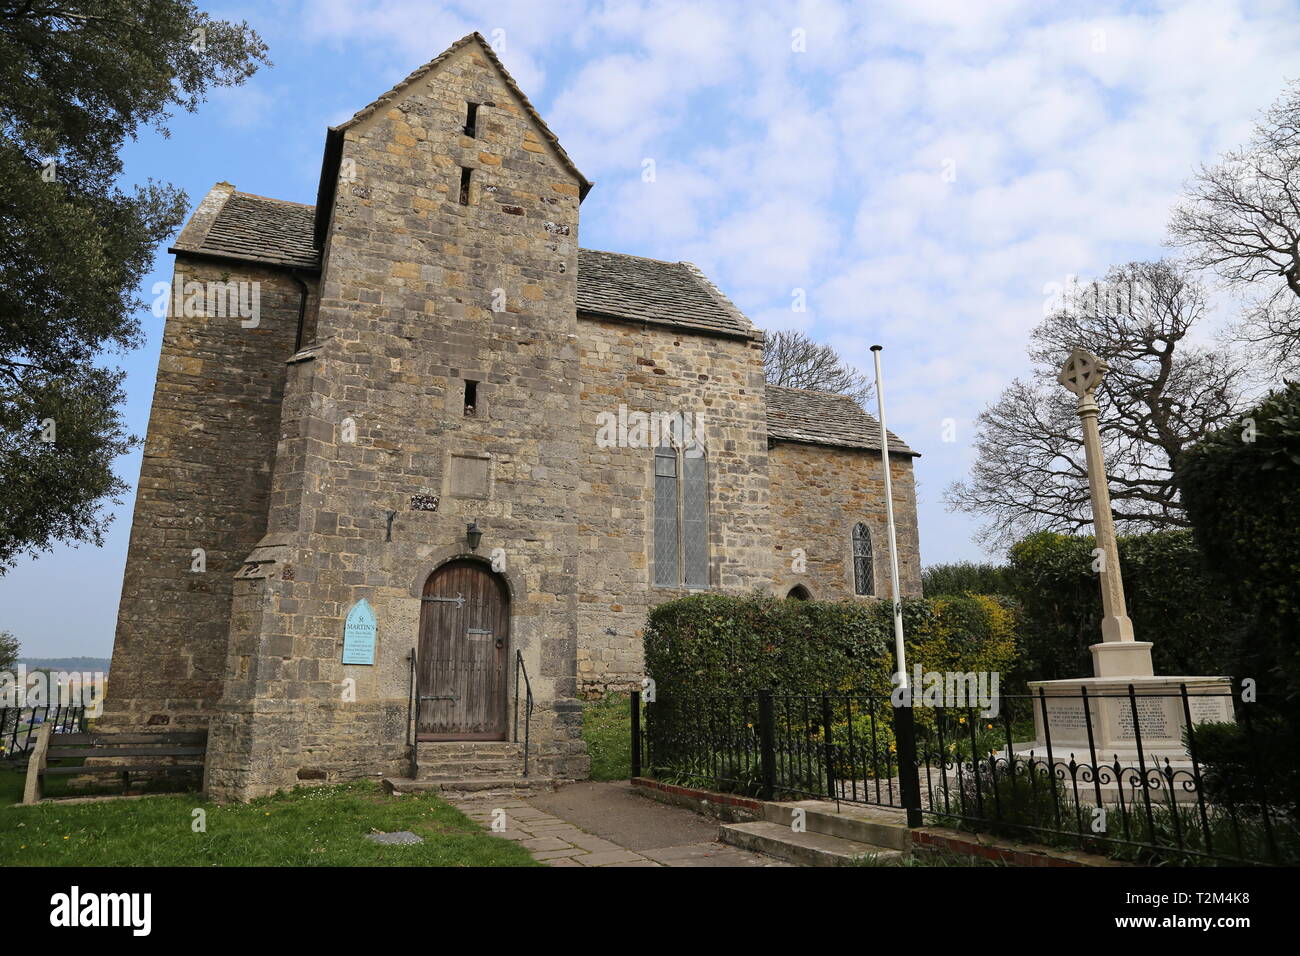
610,284
261,230
824,418
650,290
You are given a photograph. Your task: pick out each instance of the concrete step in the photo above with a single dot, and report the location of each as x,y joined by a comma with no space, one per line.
467,784
879,827
806,849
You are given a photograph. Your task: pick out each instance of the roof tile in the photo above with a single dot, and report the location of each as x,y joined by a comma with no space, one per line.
825,418
610,284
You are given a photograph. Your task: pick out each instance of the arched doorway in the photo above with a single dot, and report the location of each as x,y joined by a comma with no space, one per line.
462,655
799,593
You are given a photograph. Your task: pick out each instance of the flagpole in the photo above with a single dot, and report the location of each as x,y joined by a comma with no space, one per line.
900,655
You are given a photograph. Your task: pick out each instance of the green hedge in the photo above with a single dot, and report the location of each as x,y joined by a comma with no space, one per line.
1241,487
965,577
1172,600
738,644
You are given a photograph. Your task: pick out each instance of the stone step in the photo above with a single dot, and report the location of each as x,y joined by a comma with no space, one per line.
881,828
473,767
470,748
807,848
467,784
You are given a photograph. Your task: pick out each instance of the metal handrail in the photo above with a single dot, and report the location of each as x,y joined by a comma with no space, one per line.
528,706
412,716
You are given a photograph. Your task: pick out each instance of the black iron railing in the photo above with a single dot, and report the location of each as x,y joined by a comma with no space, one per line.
1210,798
522,671
1144,805
18,727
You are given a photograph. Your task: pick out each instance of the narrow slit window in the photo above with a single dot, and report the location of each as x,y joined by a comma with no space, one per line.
465,173
471,398
471,119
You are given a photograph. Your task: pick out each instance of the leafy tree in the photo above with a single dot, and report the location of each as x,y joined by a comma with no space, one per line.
8,651
1241,219
1161,394
77,79
792,359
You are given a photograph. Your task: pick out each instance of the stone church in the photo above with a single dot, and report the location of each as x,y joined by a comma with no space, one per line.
413,488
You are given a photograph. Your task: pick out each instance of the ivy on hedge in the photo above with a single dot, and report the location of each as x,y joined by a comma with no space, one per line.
718,644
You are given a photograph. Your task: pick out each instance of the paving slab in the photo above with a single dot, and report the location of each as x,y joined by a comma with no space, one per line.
597,824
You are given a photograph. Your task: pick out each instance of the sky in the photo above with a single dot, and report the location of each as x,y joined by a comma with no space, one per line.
917,173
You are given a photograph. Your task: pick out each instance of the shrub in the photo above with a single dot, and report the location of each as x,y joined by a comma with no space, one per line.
1170,595
714,644
965,577
1241,487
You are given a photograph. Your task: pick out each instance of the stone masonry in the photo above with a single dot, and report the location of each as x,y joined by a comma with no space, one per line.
433,348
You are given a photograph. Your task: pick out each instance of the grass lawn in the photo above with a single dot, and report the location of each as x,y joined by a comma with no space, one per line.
607,730
318,826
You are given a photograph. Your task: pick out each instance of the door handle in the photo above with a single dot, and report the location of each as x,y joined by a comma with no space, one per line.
500,642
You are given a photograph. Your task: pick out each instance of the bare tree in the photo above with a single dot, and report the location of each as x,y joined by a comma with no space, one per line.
1241,219
792,359
1161,394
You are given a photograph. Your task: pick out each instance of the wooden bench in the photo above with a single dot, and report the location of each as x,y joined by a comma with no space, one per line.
184,752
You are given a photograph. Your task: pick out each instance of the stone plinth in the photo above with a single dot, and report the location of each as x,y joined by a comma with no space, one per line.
1160,717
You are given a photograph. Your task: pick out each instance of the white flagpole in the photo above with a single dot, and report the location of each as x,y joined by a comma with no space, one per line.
900,655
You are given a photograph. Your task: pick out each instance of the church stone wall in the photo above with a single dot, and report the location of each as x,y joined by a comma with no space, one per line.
419,294
650,369
204,484
299,473
818,494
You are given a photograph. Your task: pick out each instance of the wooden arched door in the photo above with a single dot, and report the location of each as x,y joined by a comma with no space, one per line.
464,642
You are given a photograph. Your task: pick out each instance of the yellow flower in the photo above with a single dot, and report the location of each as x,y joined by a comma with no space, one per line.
961,720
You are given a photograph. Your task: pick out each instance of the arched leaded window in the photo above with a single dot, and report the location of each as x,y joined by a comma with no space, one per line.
864,576
681,517
666,538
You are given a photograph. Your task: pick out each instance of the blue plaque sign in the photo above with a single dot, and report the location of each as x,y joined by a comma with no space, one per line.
359,635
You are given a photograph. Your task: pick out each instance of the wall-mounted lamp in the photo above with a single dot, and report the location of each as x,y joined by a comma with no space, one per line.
473,534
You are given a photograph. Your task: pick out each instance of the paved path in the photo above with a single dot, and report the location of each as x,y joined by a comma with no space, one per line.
607,824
